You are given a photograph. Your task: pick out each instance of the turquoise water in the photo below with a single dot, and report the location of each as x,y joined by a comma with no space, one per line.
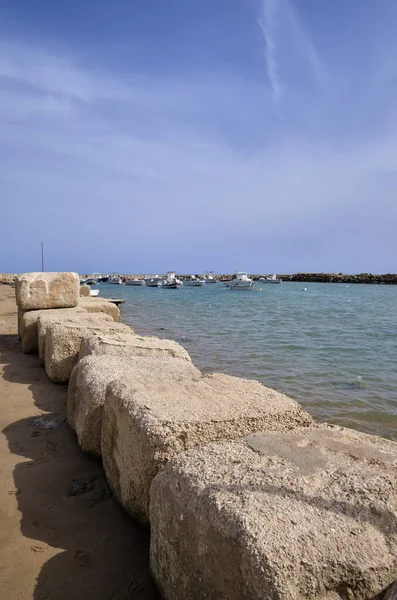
333,347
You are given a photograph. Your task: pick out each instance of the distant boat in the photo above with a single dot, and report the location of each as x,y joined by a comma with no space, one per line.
116,280
135,281
94,292
153,281
91,281
209,278
240,281
272,279
83,281
194,281
170,282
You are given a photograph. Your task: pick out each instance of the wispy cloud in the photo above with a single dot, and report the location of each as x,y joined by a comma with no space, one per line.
288,50
267,24
142,159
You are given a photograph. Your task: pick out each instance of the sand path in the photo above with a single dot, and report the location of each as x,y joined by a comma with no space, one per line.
62,536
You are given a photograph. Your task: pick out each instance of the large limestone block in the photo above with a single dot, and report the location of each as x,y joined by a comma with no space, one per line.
29,325
146,424
126,345
101,305
297,515
92,375
47,290
63,339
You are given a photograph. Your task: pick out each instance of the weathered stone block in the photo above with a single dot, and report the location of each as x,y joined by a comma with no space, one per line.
92,375
29,328
63,339
101,305
299,515
85,290
121,344
47,290
146,424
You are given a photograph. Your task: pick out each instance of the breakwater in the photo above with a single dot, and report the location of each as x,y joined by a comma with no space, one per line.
368,278
244,492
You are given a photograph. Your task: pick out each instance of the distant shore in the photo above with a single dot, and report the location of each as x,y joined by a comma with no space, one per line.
368,278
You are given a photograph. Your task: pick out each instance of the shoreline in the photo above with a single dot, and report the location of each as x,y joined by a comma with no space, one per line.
62,534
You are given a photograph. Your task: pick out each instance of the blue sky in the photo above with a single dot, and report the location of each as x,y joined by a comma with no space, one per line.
140,135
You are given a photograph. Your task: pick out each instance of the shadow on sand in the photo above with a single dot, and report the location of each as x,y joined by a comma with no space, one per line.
66,503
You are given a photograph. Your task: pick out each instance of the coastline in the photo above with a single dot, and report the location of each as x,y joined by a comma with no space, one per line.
62,535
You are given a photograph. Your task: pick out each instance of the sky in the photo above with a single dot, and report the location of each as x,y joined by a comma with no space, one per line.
138,136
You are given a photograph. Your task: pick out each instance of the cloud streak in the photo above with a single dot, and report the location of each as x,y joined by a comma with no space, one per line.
194,171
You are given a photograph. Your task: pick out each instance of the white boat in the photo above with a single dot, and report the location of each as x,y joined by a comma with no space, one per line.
83,281
135,281
170,282
209,278
194,281
153,281
272,279
94,292
91,281
115,280
240,281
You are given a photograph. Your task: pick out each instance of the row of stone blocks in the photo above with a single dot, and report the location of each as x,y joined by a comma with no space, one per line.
247,497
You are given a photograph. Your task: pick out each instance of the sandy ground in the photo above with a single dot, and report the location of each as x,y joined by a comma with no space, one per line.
62,536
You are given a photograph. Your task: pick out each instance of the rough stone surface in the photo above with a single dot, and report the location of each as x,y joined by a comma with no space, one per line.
120,344
101,305
47,290
85,290
145,424
63,339
295,515
29,328
91,376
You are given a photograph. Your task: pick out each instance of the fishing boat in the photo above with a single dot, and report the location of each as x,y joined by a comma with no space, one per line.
170,282
135,281
116,280
240,281
209,277
91,281
82,281
272,279
94,293
153,281
194,281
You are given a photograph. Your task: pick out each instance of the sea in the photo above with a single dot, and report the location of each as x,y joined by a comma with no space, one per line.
332,347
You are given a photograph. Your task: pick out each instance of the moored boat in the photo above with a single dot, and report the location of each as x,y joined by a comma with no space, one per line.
153,281
209,277
240,281
194,281
272,279
170,282
116,280
135,281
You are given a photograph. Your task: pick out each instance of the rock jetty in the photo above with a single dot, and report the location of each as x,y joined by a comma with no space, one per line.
246,496
386,279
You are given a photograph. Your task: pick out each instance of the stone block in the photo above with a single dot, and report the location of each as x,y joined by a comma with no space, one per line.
85,290
47,290
101,305
120,344
298,515
92,375
63,339
146,424
29,327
